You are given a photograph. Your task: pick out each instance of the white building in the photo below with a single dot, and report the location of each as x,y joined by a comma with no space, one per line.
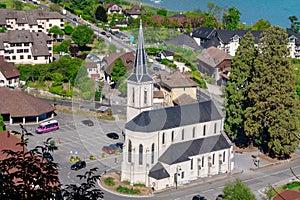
9,75
25,47
32,20
170,146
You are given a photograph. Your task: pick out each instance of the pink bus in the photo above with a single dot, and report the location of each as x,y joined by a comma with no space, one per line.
47,126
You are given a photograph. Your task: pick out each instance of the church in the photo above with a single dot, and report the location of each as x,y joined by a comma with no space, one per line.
171,146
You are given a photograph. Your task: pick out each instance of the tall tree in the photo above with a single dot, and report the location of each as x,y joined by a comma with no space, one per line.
56,31
101,14
82,35
231,18
18,5
118,70
295,25
238,190
274,113
261,24
236,91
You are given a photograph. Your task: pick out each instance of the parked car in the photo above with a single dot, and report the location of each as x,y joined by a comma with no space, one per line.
103,33
220,197
120,145
108,149
88,122
113,135
117,147
198,197
74,19
78,165
48,156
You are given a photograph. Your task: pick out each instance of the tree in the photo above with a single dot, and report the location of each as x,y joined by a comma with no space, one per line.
74,49
231,18
18,5
27,174
273,116
85,191
82,35
261,24
237,190
56,31
101,14
68,29
81,4
118,70
54,7
236,91
295,25
1,124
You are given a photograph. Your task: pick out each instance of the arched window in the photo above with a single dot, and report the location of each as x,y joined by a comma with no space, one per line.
129,151
213,159
192,163
172,136
145,96
163,138
204,130
194,132
152,153
224,154
182,134
140,154
215,128
202,161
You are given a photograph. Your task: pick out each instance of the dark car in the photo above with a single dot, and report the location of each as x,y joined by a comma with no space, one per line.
198,197
103,33
113,135
220,197
48,156
74,19
120,145
117,147
88,122
108,149
78,165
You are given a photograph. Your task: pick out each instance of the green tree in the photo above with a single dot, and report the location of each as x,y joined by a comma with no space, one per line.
162,12
274,115
54,7
231,18
2,5
68,29
118,70
18,5
209,20
85,191
236,91
36,178
1,124
101,14
237,190
295,25
81,4
261,24
56,31
82,35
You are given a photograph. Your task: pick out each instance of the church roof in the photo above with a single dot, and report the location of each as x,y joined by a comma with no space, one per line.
140,73
171,117
158,172
180,152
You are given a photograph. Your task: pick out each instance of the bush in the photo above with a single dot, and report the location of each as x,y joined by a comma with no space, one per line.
72,159
56,90
104,155
139,185
128,190
109,181
126,182
291,185
92,157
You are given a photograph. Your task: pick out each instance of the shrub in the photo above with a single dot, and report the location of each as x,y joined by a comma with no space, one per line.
139,185
126,182
104,155
291,185
128,190
109,181
72,159
92,157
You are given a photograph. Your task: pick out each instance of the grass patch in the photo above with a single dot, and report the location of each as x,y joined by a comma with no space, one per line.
292,185
128,190
109,181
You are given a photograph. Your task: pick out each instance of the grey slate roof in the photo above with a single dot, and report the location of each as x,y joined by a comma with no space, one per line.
171,117
158,172
180,152
204,32
185,41
140,73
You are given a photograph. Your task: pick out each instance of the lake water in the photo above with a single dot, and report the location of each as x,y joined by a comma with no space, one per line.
275,11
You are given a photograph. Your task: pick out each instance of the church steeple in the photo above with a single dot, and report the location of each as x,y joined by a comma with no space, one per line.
140,73
139,83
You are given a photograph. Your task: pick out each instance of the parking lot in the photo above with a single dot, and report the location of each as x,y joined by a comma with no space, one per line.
79,140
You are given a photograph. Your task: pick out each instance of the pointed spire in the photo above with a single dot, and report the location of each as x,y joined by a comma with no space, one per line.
140,63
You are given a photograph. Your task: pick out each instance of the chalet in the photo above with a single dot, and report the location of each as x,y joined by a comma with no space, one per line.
113,8
135,12
9,75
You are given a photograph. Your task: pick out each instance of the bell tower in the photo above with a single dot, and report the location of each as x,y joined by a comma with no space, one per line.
139,83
